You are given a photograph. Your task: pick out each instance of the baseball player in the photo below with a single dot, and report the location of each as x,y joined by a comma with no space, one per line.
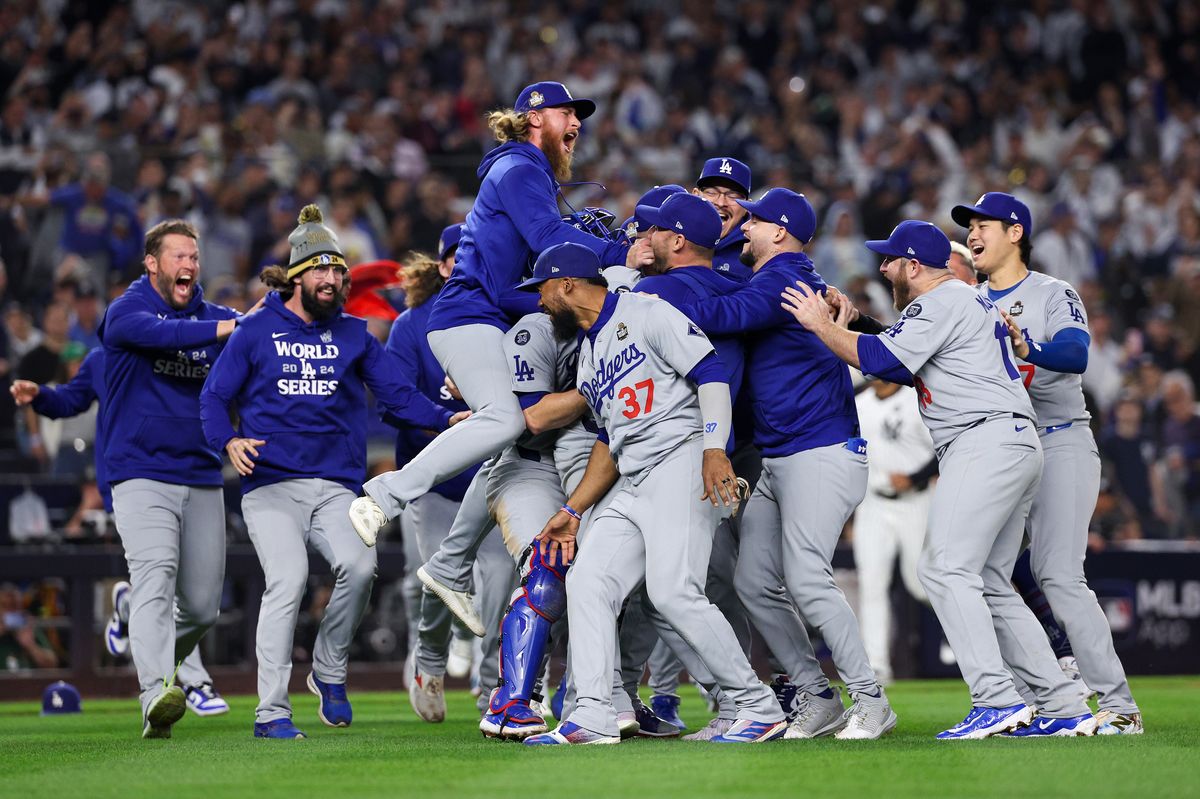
514,217
658,389
428,519
723,182
296,373
681,231
71,399
952,345
814,475
889,524
1048,325
160,339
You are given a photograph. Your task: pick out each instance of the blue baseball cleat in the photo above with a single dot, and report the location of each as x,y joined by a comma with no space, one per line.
514,720
116,632
568,733
334,708
787,695
1043,727
279,728
745,731
560,696
982,722
203,700
650,725
667,709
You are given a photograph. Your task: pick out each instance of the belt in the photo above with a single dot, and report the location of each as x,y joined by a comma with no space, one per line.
529,454
857,445
978,422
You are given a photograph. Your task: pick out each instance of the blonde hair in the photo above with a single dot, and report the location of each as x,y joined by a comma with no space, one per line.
422,279
508,125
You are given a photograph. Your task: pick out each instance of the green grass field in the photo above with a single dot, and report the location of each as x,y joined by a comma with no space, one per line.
388,752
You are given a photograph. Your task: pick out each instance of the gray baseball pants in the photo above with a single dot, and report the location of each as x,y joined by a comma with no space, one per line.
473,357
789,531
174,540
191,669
1058,531
989,476
659,530
281,519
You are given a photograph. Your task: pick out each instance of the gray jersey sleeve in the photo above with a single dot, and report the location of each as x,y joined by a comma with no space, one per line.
1064,308
676,339
532,354
922,330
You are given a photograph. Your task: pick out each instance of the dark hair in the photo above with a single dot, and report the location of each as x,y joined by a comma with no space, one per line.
595,281
275,277
156,234
1025,244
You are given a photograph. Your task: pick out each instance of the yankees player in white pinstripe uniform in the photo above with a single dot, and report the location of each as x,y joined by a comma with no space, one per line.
890,521
1048,325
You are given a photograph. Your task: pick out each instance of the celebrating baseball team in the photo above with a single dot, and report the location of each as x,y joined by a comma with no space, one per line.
642,439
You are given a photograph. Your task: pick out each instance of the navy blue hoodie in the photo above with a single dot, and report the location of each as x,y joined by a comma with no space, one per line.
73,398
514,218
300,387
800,391
156,359
408,345
727,258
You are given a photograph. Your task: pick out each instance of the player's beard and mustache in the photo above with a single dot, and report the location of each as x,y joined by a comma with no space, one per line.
166,288
560,159
320,309
565,323
901,291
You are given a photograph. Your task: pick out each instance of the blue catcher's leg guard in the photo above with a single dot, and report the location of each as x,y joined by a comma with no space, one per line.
539,601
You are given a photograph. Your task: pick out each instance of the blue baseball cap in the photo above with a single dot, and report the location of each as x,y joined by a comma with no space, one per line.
550,94
654,199
562,260
692,217
996,205
730,170
791,211
920,241
61,697
449,240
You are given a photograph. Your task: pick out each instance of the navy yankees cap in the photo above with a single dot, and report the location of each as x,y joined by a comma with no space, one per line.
562,260
550,94
449,239
654,199
996,205
920,241
730,170
61,697
791,211
692,217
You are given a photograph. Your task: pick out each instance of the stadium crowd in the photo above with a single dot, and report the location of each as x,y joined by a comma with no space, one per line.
234,115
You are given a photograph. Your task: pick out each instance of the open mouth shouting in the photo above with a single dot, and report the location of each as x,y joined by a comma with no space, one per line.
568,141
184,285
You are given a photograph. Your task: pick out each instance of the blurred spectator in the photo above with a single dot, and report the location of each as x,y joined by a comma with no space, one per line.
1062,250
1129,451
1179,443
22,646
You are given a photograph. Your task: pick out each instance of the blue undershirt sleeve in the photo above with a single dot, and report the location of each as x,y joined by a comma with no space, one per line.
878,361
708,370
1066,352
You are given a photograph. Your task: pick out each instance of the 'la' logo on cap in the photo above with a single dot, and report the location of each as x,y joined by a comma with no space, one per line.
726,168
536,99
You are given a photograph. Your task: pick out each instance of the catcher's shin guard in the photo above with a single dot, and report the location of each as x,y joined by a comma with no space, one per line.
538,602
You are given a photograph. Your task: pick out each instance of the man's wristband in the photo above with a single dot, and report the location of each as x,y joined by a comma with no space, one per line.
571,511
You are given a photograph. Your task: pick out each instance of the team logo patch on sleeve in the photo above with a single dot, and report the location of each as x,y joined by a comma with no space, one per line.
913,310
693,330
522,337
1072,295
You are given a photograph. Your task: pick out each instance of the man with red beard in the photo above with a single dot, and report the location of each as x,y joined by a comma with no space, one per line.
160,339
514,218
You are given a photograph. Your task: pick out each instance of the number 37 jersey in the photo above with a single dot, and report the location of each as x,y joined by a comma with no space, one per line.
632,372
955,344
1043,306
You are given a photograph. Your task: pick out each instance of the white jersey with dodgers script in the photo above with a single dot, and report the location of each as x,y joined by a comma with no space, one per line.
632,372
539,362
955,344
1043,305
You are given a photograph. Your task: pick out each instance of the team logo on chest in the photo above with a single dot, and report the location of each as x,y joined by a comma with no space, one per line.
1016,309
327,337
608,373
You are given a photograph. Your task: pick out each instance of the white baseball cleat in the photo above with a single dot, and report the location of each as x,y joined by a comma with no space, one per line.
460,657
367,518
869,718
818,716
1110,723
715,728
459,602
427,697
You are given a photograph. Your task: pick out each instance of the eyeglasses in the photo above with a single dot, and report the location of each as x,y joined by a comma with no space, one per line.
712,193
329,269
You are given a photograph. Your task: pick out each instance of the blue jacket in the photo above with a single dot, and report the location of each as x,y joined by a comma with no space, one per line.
300,388
408,345
800,391
727,258
686,285
514,218
110,227
75,397
155,361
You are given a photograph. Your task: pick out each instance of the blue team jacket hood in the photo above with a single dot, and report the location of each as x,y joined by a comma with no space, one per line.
519,148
